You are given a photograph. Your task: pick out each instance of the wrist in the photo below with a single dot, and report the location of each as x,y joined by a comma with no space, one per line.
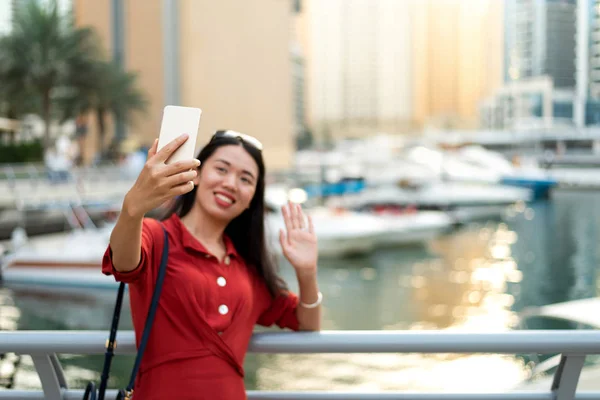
307,277
129,210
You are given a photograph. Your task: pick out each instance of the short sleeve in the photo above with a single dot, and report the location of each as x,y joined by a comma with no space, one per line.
282,312
146,258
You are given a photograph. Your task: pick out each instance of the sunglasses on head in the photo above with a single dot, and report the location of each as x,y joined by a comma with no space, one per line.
251,140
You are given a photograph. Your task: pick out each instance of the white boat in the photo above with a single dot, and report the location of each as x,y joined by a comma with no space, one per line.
456,194
342,232
339,234
436,195
450,167
583,314
525,168
413,228
398,170
346,233
70,259
527,174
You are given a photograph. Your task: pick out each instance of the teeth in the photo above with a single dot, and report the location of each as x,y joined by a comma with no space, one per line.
224,198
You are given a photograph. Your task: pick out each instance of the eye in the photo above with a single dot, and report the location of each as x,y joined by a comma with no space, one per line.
246,180
221,169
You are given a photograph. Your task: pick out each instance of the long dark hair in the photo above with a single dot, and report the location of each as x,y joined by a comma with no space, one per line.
247,231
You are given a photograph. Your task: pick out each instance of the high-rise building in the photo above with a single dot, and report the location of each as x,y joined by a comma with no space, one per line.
594,49
457,60
540,40
298,58
230,58
552,66
397,66
358,65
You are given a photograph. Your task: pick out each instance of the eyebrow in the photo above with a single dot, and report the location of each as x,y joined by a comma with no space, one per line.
229,164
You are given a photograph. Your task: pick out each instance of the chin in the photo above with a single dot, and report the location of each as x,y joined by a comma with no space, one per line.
224,215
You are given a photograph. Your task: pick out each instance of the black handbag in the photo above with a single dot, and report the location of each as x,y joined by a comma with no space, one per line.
91,393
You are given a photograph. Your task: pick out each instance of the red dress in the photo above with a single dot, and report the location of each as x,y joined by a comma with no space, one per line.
205,317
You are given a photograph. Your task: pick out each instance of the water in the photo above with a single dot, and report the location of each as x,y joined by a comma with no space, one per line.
476,279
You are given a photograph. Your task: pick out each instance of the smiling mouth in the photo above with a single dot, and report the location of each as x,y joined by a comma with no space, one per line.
224,198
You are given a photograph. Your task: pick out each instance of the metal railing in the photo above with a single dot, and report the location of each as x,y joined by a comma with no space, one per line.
573,346
30,185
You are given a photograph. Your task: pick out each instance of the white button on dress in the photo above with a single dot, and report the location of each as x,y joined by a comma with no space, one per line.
223,309
221,281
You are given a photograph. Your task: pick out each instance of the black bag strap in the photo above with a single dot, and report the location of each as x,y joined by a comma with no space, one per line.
90,392
110,345
149,319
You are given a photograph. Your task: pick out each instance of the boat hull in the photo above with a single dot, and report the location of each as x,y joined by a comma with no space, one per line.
540,187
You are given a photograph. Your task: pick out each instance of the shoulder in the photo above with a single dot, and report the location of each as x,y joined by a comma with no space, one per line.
157,227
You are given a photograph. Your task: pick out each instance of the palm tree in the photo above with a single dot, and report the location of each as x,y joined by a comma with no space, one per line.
41,52
105,89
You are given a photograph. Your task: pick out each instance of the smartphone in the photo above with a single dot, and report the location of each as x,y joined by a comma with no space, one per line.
177,120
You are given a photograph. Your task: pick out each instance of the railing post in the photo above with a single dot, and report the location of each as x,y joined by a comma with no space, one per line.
566,377
51,375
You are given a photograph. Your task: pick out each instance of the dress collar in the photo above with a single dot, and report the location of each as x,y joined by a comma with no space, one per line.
191,243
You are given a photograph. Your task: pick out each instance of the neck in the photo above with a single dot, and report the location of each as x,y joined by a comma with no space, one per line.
207,230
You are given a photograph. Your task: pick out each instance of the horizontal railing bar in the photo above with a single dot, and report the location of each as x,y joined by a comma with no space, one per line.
512,342
256,395
583,342
309,395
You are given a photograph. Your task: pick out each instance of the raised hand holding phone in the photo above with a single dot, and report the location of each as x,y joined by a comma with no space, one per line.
159,182
170,167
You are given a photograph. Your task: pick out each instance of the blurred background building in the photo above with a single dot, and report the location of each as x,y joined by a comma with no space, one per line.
295,73
552,66
312,69
454,69
398,66
229,58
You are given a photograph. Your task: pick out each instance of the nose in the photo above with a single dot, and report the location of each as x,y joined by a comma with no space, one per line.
229,182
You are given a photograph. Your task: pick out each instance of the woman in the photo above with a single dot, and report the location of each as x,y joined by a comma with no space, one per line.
220,281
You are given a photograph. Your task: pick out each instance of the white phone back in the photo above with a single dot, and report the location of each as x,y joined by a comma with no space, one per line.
177,120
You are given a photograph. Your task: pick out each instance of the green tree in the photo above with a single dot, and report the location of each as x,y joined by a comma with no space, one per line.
37,58
106,90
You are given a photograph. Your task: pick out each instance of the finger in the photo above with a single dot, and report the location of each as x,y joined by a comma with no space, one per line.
293,215
152,150
170,147
300,214
283,240
298,223
180,178
180,166
311,227
181,189
287,219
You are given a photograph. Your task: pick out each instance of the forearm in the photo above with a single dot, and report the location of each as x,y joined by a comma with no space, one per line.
126,240
309,318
